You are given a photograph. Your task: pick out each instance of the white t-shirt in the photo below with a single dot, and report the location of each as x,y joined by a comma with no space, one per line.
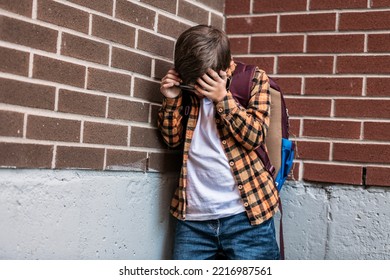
211,188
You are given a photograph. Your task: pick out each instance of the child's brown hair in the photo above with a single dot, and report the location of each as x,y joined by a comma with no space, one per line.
199,48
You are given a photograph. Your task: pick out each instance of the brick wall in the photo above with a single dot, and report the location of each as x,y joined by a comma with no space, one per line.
332,59
79,80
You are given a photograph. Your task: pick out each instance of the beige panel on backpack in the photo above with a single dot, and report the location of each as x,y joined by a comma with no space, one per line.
273,140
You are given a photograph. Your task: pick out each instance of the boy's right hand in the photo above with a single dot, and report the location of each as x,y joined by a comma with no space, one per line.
169,84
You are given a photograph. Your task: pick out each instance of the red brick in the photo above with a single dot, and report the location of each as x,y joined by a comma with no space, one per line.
161,68
378,87
377,131
131,61
333,173
126,160
79,158
308,22
362,108
128,110
104,6
217,21
108,134
58,71
14,62
378,176
365,153
63,15
335,43
305,65
25,155
312,150
308,107
277,44
334,86
234,7
263,62
108,81
113,31
84,49
28,34
378,43
11,124
165,162
156,45
193,13
249,25
169,6
44,128
364,21
171,27
146,138
147,90
81,103
239,45
135,14
380,3
295,127
21,7
265,6
26,94
363,65
154,109
331,129
215,5
337,4
289,86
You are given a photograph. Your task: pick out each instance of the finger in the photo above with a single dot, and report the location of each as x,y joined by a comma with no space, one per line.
223,75
200,91
171,77
214,75
203,85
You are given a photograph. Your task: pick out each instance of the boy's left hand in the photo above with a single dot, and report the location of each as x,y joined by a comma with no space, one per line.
212,85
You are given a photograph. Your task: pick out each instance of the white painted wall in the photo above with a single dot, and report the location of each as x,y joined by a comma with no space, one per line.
46,214
335,222
57,214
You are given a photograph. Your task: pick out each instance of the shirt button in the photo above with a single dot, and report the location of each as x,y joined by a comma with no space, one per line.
246,204
224,142
220,109
240,187
231,163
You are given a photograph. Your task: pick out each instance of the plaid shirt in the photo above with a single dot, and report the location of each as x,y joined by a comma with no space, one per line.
241,130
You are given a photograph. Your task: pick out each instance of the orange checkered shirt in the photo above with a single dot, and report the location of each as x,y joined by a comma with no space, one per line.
241,130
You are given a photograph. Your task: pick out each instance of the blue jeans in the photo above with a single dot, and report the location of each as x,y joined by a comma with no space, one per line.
234,236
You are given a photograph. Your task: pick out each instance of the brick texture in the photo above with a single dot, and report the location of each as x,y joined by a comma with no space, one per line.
27,34
80,80
14,62
50,69
21,7
331,60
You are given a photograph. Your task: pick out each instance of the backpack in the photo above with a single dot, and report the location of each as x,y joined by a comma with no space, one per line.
279,159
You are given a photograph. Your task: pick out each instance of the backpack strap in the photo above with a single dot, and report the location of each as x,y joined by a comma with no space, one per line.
240,88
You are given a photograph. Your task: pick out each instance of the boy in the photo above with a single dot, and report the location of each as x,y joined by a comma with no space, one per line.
225,200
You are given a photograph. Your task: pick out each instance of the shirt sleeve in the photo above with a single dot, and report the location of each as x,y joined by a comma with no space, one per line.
169,121
248,125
